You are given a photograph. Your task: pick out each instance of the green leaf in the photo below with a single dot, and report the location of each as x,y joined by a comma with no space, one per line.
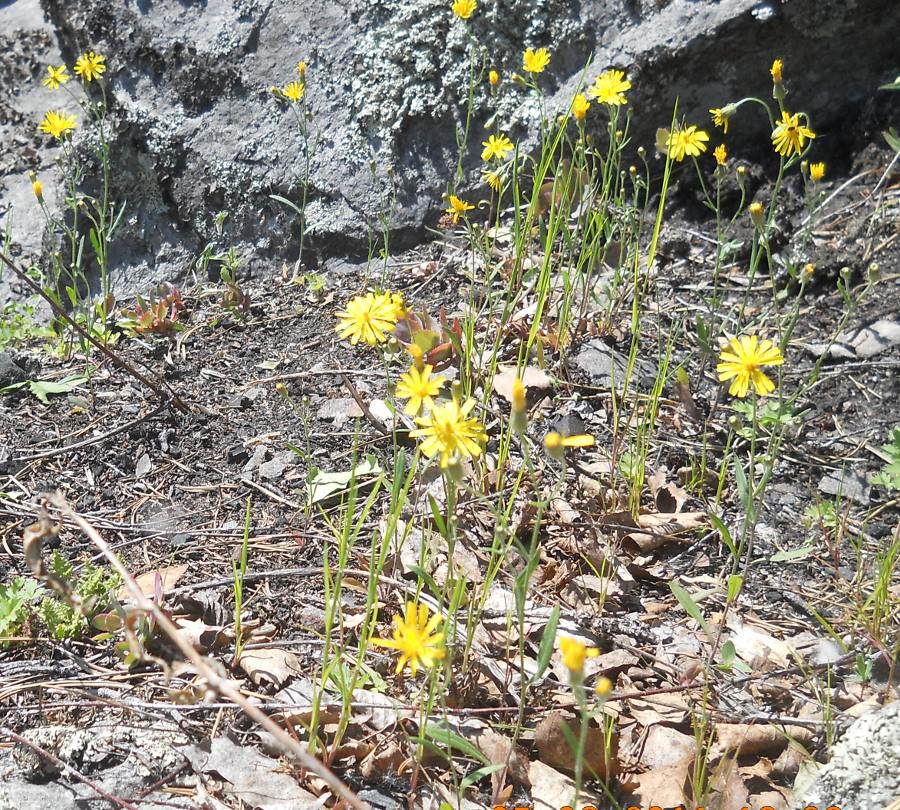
735,583
722,529
443,736
547,642
44,388
322,485
690,607
792,554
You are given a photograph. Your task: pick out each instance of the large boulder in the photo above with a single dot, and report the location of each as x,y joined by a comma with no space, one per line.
198,131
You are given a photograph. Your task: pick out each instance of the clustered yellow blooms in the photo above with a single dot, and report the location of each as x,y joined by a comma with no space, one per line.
535,61
790,136
415,638
464,8
610,87
57,124
368,318
449,432
89,66
496,146
686,142
741,363
458,207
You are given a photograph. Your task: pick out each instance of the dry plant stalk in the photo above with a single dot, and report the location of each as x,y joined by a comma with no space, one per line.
205,668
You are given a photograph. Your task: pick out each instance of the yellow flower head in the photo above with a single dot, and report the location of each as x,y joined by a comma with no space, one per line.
493,78
464,8
580,106
449,431
809,270
496,146
722,115
493,179
686,142
398,303
757,213
90,66
790,136
415,638
57,124
775,70
419,387
301,69
458,207
535,61
56,77
741,363
610,87
574,653
603,687
37,187
555,443
293,91
720,154
367,318
816,172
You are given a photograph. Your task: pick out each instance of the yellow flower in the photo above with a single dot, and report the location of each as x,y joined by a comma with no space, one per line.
519,413
496,146
458,207
367,318
741,362
757,214
789,135
574,653
721,116
816,172
57,124
603,687
397,302
609,88
580,106
809,270
38,188
449,431
686,141
493,78
419,387
493,179
775,70
56,76
293,91
555,443
301,69
90,66
720,154
535,61
464,8
415,638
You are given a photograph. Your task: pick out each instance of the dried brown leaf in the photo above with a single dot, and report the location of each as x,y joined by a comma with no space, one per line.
274,664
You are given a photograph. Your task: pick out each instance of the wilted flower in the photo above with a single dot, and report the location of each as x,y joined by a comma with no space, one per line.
57,124
90,66
301,69
686,141
741,362
415,638
722,115
609,88
775,70
580,106
494,180
496,146
535,61
449,432
816,172
367,318
419,387
720,154
789,135
458,207
56,76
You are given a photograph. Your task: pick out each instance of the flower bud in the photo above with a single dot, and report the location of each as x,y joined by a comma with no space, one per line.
493,78
603,687
757,214
874,272
553,444
519,416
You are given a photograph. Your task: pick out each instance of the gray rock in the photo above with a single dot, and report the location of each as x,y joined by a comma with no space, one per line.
10,371
608,367
198,132
864,771
846,484
274,468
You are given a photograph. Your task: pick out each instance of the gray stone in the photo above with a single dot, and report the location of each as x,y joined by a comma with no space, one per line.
198,132
608,367
274,468
864,771
846,484
10,371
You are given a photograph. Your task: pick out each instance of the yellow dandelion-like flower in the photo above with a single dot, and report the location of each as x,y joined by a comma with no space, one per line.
301,69
367,318
720,154
464,8
686,142
38,188
816,172
293,91
57,124
574,653
603,687
809,270
56,77
458,207
448,431
775,70
493,78
420,388
496,146
416,639
90,66
721,116
535,61
580,107
741,363
493,179
790,136
610,87
555,443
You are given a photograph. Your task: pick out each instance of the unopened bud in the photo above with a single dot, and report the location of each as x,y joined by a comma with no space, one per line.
757,214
